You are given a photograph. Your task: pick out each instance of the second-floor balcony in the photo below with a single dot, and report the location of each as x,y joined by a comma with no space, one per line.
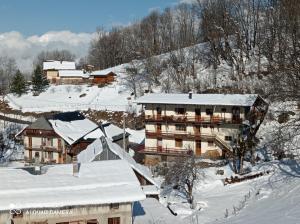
166,151
193,119
46,148
179,134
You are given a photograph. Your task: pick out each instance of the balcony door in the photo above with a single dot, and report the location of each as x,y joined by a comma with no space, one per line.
198,147
158,128
159,144
235,114
158,112
198,114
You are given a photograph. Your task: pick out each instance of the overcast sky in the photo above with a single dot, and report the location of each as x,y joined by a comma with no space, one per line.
30,26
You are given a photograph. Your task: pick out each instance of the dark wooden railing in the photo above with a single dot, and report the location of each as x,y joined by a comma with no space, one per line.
168,151
44,148
192,119
179,134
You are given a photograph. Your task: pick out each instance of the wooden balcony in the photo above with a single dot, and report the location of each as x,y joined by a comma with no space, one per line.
192,119
166,151
179,134
43,148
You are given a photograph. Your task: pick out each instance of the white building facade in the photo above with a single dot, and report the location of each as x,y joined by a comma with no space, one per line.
206,125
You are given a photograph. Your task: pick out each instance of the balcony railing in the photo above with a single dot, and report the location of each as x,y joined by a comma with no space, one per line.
43,148
192,119
166,151
179,134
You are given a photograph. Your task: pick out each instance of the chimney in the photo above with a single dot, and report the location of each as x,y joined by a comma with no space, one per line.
190,95
76,167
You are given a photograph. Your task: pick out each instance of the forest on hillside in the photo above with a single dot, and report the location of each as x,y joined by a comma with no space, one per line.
260,32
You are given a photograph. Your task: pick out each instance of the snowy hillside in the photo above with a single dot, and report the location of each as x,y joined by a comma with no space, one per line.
71,97
114,97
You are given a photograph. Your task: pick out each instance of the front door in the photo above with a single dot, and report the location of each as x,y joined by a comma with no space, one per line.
198,148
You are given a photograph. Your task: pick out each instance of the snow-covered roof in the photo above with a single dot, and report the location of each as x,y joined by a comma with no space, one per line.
116,183
97,133
104,72
73,73
96,148
150,190
113,132
152,211
143,170
58,65
199,99
74,128
91,151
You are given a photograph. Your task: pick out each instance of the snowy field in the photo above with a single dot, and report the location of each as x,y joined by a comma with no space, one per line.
273,198
73,97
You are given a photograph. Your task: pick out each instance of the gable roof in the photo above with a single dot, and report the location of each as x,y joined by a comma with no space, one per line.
113,132
96,148
199,99
72,126
58,65
104,72
116,183
40,123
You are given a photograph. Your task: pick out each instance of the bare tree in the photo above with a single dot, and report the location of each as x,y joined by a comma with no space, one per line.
184,174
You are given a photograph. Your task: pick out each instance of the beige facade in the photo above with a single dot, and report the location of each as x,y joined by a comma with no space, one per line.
44,150
207,131
89,214
52,74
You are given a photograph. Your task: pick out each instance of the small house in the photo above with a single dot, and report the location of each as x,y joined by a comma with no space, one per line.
103,76
51,69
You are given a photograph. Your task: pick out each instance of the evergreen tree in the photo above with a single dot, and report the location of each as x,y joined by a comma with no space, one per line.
39,81
18,85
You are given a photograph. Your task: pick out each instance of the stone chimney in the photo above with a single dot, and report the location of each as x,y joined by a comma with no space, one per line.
76,167
190,95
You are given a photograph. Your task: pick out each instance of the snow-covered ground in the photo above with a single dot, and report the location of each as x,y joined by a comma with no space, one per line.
273,198
113,97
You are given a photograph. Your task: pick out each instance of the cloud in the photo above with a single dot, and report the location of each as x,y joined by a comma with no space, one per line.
24,49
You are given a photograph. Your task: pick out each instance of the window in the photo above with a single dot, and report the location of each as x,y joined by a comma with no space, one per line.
223,110
180,110
115,220
205,126
228,138
209,111
210,143
180,127
37,154
178,143
114,206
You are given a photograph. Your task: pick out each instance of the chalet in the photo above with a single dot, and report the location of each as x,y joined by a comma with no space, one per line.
102,76
72,77
57,138
51,69
69,193
104,149
206,125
